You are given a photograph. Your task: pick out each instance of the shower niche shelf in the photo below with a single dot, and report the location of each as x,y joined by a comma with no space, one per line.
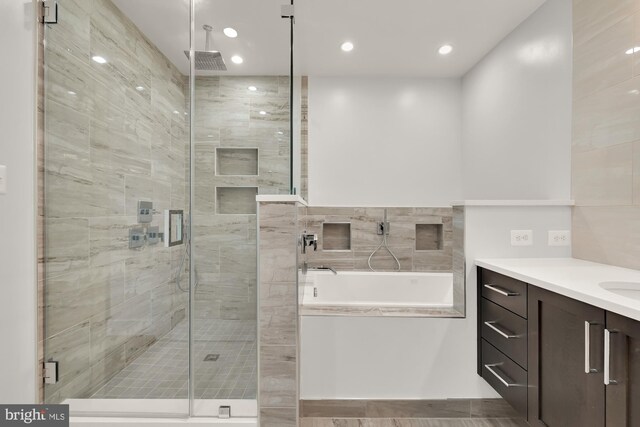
336,236
236,200
429,237
237,161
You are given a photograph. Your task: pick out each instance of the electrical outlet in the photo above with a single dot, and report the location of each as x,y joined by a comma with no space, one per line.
559,238
521,237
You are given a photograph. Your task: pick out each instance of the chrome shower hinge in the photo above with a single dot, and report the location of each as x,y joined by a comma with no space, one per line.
49,12
50,372
287,11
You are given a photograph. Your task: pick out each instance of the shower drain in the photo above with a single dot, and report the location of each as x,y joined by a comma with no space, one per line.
211,357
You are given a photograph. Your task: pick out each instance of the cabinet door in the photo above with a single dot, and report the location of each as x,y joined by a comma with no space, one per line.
622,371
566,339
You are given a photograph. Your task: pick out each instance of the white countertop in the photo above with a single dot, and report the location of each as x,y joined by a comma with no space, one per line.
573,278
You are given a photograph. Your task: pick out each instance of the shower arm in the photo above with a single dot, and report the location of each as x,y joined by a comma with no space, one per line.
207,42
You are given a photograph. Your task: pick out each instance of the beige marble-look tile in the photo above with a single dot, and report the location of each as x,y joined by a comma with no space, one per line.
278,417
603,176
636,173
278,313
67,245
72,349
603,61
608,117
636,66
278,381
592,17
607,234
238,87
75,297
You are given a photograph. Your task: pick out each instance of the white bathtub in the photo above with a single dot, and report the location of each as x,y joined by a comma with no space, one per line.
378,293
384,289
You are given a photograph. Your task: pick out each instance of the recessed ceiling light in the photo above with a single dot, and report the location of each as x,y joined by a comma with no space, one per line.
634,92
176,112
252,88
280,132
71,92
633,50
237,59
445,49
263,113
139,88
99,59
347,46
230,32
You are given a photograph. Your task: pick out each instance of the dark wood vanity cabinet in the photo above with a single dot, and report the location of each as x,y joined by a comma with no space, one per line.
566,381
571,350
622,373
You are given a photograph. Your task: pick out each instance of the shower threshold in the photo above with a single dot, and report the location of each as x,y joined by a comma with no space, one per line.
92,411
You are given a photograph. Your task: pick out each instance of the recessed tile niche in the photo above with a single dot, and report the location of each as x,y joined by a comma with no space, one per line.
429,237
236,161
336,236
236,200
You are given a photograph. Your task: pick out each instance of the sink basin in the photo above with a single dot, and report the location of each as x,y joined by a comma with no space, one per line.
625,289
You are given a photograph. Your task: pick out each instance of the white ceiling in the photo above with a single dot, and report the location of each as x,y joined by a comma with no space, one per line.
391,37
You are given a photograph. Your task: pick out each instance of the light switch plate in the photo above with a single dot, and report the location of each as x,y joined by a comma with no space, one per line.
3,179
521,237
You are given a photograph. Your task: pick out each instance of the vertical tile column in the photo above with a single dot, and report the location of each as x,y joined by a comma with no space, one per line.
278,314
458,261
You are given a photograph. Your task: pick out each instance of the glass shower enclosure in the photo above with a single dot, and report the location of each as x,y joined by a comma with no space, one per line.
154,152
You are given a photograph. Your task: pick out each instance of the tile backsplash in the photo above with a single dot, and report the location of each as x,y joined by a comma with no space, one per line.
405,225
606,132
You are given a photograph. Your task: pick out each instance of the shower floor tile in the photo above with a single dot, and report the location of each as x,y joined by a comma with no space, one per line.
161,372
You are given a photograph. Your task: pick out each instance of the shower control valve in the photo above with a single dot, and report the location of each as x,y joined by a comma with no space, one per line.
309,240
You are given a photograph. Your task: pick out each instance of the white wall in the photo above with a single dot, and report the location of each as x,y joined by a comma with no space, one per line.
384,141
399,358
17,207
517,112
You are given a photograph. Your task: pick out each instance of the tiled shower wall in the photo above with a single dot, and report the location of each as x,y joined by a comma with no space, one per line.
107,145
364,238
606,131
239,153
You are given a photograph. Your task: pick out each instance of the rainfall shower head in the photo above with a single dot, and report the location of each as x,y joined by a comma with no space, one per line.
208,60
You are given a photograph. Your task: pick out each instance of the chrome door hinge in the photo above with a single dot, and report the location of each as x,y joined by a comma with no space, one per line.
50,372
49,12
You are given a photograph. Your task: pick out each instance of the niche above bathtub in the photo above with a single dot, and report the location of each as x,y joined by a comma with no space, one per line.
429,237
237,161
236,200
336,236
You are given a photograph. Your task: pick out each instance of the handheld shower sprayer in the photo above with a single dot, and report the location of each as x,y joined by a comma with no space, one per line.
383,229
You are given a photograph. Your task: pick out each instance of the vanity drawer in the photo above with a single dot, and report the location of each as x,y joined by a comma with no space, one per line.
505,291
506,377
505,330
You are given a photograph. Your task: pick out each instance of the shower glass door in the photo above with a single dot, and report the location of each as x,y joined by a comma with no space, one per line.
240,149
154,153
116,158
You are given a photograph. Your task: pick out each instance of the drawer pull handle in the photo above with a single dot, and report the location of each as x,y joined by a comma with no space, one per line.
501,291
587,348
506,334
507,383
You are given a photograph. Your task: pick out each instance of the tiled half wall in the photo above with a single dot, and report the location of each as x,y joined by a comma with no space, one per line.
421,238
